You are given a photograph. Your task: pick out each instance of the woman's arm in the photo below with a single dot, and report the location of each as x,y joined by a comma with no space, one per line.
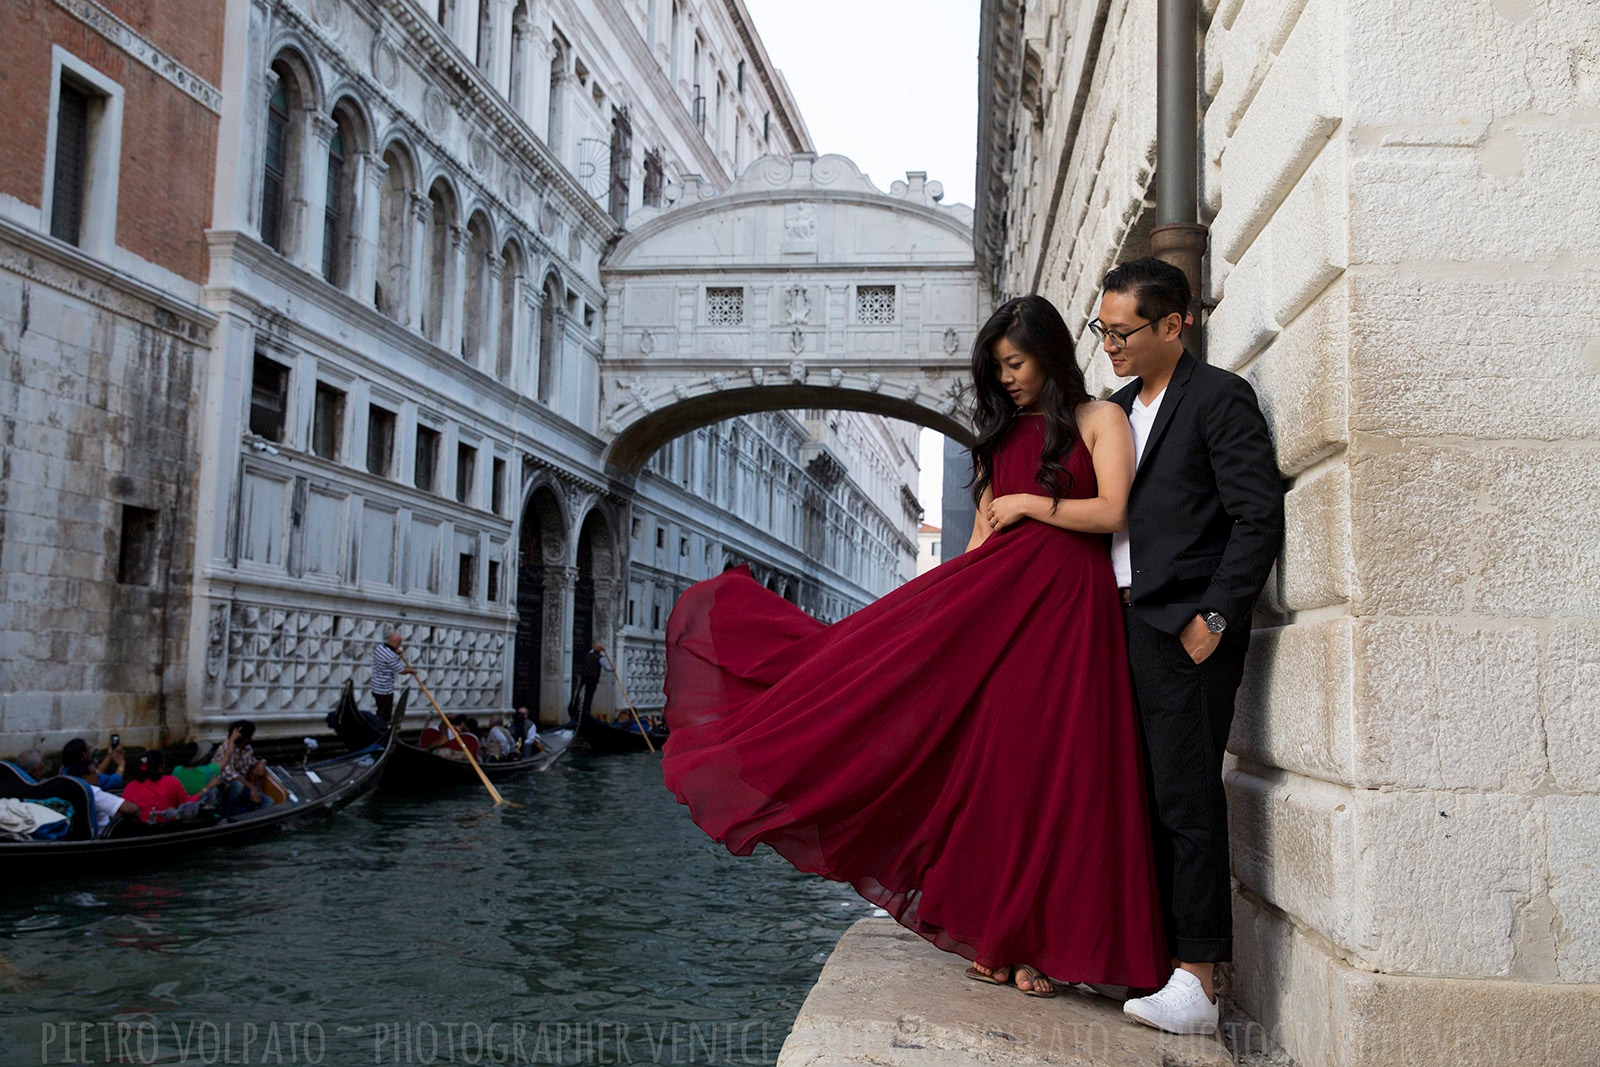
1109,438
980,521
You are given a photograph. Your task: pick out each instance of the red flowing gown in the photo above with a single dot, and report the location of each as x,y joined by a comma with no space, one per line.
962,751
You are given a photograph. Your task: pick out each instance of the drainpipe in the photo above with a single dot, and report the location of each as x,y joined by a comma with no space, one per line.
1179,237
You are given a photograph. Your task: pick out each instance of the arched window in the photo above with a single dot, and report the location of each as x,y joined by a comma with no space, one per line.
549,336
391,292
278,157
338,211
510,277
437,267
475,294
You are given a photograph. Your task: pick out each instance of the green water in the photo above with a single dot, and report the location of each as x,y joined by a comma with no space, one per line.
592,923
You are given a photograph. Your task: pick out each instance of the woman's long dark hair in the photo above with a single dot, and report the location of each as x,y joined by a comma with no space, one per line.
149,768
1034,326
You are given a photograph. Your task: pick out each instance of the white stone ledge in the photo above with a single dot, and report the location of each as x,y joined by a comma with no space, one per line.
887,997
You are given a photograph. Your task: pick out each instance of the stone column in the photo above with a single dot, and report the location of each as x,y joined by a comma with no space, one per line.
455,284
371,174
310,201
525,354
488,352
416,259
500,42
556,687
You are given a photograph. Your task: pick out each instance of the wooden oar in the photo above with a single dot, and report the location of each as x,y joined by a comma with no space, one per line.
642,731
484,778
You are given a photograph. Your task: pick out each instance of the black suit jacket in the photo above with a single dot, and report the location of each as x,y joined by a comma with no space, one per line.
1205,514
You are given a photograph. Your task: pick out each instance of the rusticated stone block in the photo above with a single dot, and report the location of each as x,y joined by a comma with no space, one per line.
1292,840
1447,706
1522,189
1463,377
1300,381
1325,1013
1310,234
1329,857
1506,529
1503,58
1294,708
1314,569
1242,325
1569,678
1573,825
1290,118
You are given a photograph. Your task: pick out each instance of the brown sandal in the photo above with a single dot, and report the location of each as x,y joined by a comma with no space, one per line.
1034,977
991,977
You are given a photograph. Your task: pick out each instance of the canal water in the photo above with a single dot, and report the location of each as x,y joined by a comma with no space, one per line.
592,922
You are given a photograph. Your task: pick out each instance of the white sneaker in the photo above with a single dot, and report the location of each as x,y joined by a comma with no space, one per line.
1179,1007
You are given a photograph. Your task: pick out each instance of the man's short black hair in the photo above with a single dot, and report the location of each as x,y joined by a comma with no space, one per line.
1159,288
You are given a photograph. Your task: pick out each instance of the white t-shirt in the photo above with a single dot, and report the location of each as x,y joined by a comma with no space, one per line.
105,805
1141,418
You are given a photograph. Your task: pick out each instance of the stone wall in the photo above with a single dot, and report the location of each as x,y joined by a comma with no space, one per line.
97,446
1403,209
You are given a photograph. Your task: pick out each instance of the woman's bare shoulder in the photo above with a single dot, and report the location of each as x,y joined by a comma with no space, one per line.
1099,414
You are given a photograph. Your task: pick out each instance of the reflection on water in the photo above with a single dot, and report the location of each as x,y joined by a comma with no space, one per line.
593,923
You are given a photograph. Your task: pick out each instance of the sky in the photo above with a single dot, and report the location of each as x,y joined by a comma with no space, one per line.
893,84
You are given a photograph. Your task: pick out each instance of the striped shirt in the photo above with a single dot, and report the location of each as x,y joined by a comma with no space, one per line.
385,662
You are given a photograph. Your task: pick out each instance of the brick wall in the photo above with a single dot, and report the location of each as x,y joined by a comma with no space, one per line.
168,138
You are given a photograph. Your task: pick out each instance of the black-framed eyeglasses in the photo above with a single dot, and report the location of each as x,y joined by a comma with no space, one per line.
1118,339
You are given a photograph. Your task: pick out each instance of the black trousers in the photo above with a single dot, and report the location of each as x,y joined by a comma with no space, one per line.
1185,712
384,702
584,688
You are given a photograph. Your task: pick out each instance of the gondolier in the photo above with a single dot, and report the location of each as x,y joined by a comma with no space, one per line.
385,665
594,662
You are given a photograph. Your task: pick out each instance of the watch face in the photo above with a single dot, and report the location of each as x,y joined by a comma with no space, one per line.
1215,622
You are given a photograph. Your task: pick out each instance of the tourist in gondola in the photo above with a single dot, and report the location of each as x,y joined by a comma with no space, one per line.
242,773
106,804
499,743
108,773
31,763
526,733
985,784
159,796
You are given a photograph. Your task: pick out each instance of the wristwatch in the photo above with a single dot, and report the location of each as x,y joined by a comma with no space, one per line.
1215,621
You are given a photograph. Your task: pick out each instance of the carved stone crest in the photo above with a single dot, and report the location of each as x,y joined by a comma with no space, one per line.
951,341
797,340
647,343
797,306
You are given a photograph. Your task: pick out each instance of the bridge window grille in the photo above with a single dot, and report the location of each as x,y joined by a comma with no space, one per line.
725,307
875,304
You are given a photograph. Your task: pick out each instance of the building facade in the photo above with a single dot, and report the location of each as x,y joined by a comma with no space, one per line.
110,127
1402,207
347,372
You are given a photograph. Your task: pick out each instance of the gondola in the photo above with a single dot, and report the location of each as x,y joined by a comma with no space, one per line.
427,763
301,796
608,737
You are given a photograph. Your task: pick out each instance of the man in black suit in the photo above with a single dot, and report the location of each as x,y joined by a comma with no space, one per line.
1205,520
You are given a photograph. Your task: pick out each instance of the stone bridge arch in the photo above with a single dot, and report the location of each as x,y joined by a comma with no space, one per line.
801,286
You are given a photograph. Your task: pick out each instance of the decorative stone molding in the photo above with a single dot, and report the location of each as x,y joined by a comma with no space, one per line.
144,51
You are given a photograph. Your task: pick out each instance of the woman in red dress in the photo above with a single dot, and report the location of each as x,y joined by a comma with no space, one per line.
962,751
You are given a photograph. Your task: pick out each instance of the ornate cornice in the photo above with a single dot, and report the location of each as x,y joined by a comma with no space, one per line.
98,18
